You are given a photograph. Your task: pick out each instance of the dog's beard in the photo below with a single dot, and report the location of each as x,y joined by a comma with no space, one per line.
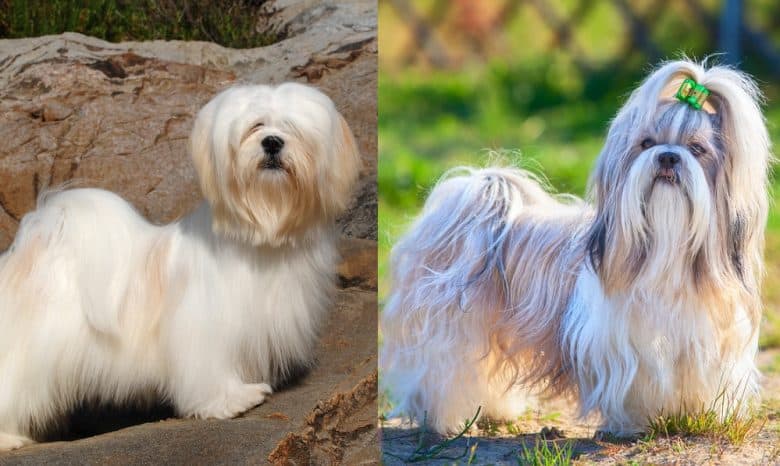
286,199
656,224
271,205
667,215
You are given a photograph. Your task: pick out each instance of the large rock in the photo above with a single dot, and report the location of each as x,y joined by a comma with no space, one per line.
78,111
86,112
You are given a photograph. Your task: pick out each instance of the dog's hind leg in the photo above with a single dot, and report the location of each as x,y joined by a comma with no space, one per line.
507,400
472,318
449,293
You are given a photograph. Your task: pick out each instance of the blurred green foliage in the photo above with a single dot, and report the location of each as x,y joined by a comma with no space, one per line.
432,121
227,22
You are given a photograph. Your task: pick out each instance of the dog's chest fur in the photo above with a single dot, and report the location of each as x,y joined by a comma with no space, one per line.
651,351
277,297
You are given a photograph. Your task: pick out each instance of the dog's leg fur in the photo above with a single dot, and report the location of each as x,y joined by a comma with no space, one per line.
12,442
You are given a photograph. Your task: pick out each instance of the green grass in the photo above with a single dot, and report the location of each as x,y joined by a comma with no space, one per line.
706,424
512,428
725,419
489,427
440,450
434,121
230,23
774,366
546,453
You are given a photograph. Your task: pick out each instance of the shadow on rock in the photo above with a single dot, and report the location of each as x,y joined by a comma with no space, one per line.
92,419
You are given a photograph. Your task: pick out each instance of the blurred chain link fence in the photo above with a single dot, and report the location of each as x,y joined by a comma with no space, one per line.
590,36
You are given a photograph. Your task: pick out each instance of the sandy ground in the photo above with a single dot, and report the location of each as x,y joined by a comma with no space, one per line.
493,443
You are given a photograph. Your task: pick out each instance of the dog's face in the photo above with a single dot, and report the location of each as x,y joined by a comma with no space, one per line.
672,170
680,150
273,161
680,193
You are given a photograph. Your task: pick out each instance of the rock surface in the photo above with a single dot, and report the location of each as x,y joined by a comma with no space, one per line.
79,111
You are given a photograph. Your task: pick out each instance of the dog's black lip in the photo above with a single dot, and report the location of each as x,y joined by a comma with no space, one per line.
271,164
666,179
275,167
671,178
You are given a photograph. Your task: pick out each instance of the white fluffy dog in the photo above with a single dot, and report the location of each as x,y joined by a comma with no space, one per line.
209,312
644,300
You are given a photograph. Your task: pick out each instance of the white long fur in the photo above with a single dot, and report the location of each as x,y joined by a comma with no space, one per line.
210,312
643,301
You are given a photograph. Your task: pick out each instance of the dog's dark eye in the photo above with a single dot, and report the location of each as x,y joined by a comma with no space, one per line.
647,143
258,126
696,149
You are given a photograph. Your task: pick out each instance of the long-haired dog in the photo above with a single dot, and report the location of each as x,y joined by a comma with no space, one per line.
644,300
208,313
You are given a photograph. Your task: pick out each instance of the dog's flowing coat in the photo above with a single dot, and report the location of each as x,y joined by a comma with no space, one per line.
643,301
210,312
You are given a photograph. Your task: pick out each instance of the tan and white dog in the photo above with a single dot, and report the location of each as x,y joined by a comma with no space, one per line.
643,300
208,313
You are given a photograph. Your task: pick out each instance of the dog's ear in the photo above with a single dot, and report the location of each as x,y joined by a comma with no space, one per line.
614,155
746,146
201,151
346,165
740,122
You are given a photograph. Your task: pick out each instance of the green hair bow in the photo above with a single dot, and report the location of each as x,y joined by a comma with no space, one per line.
692,93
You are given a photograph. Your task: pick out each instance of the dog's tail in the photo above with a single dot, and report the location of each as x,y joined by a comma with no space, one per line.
450,290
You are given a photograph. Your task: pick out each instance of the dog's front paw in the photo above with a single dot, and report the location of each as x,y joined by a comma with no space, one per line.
12,442
612,437
234,401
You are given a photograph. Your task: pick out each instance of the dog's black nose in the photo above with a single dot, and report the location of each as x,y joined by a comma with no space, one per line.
668,159
272,144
